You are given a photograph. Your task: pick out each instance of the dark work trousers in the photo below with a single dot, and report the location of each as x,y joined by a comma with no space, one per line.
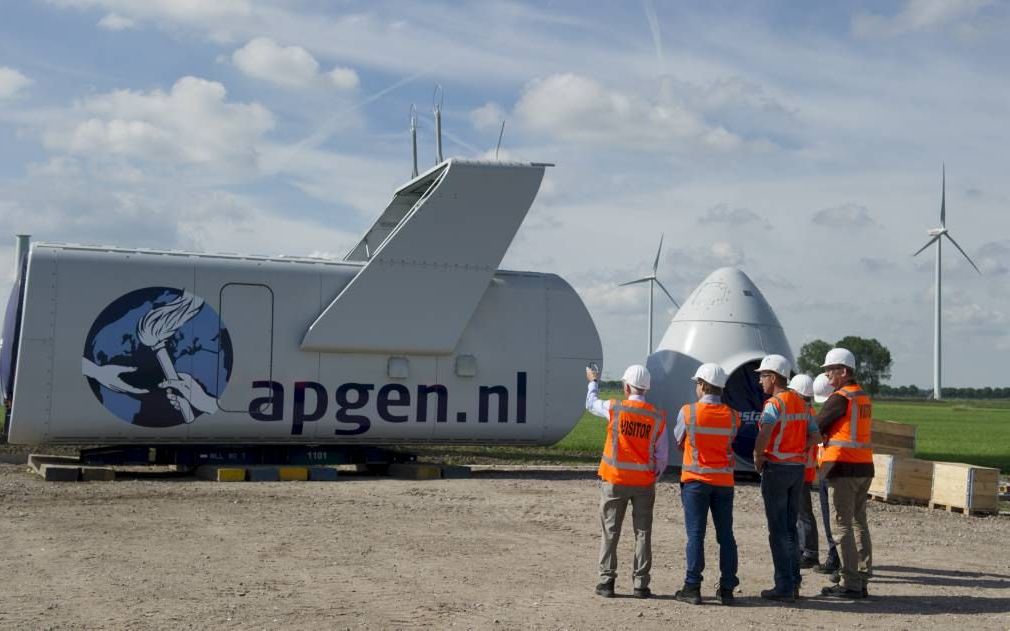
781,487
699,498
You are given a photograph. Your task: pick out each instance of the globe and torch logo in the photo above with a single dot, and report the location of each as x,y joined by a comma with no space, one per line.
158,357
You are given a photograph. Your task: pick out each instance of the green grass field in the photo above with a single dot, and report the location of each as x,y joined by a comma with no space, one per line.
972,431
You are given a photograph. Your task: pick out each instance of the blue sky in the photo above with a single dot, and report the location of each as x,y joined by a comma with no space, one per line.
801,142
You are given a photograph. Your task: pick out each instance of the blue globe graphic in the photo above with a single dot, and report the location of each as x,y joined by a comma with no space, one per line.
200,348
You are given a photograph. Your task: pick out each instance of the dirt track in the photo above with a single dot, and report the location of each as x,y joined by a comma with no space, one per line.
501,551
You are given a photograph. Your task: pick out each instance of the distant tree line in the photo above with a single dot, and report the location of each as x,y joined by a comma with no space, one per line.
915,392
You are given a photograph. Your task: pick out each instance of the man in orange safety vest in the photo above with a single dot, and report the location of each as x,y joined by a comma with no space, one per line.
635,455
780,454
847,464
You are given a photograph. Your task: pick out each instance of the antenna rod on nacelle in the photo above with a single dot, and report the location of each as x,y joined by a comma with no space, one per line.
500,134
438,98
413,137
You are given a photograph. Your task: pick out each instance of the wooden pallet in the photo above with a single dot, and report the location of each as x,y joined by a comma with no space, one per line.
962,511
896,500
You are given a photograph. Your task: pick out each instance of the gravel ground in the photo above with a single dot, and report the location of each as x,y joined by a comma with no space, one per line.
503,550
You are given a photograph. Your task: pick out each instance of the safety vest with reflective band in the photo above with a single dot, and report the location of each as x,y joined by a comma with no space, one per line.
849,439
708,443
788,442
629,455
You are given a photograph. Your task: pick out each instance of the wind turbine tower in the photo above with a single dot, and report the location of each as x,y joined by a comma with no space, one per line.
652,280
937,235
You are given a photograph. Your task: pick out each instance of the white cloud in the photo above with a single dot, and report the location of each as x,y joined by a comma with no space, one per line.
262,58
288,66
487,116
723,214
916,15
845,216
723,116
344,78
116,22
577,108
12,82
191,124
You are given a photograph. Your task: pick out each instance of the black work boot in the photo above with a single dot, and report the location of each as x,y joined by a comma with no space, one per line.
808,562
642,592
605,589
689,594
725,596
771,594
837,591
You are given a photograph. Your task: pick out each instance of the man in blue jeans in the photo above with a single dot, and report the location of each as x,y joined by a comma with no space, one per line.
705,431
780,453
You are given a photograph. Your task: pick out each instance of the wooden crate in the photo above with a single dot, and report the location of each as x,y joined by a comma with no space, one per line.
964,488
895,439
902,480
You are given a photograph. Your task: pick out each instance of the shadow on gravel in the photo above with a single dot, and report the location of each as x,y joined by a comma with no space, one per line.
894,574
919,605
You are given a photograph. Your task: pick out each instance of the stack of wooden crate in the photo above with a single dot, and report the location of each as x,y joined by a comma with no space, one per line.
899,477
965,488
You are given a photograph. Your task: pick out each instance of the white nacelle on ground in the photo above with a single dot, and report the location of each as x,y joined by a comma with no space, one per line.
415,337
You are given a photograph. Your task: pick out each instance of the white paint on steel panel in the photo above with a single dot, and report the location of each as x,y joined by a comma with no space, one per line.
418,291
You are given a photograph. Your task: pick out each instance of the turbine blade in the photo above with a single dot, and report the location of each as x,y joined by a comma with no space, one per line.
635,282
943,198
655,265
675,303
965,254
928,243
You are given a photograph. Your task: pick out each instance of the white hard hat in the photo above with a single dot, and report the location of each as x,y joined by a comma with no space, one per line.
638,376
712,374
839,357
776,364
803,385
822,388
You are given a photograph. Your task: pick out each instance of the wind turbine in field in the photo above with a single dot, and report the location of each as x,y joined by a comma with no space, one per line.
937,235
652,280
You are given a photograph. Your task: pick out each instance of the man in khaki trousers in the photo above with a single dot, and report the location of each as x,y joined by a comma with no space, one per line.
634,456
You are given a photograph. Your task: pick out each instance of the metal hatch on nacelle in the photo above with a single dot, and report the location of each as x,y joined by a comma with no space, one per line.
404,200
430,268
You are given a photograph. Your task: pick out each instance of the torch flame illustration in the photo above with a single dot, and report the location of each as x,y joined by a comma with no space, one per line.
158,326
